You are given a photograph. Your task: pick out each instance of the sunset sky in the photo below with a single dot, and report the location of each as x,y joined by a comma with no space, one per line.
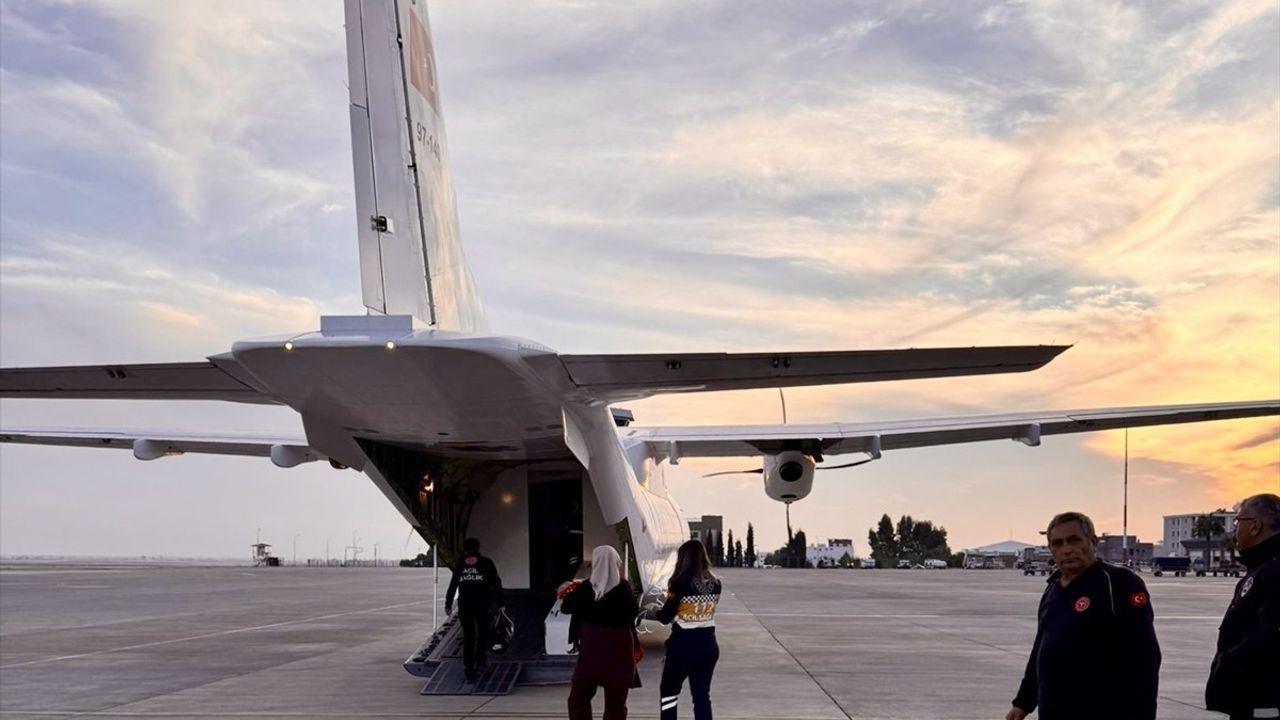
665,176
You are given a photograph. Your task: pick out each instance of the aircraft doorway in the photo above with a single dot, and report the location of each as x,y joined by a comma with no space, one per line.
555,529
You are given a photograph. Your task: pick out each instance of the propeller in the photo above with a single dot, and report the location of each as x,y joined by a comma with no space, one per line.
757,471
846,465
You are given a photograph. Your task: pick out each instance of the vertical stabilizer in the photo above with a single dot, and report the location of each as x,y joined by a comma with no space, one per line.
411,260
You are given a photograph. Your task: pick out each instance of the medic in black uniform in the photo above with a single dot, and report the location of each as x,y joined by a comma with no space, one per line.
479,591
1095,654
692,651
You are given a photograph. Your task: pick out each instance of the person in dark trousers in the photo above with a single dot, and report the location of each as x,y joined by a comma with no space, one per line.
692,596
605,611
479,591
1095,654
1244,680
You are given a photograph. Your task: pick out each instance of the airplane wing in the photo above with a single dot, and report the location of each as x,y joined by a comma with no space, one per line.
613,378
219,378
873,437
148,445
608,378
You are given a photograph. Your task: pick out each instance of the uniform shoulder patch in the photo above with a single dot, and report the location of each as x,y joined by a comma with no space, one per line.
1082,604
1139,599
1246,586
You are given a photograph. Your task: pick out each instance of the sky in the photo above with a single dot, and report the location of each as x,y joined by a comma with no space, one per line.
664,177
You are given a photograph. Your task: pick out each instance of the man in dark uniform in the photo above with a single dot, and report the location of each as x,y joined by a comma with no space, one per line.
1244,681
479,590
1095,655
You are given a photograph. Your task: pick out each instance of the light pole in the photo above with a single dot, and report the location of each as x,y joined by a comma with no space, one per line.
326,551
375,554
295,547
1124,533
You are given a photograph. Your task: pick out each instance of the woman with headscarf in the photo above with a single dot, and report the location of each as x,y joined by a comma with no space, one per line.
692,596
604,610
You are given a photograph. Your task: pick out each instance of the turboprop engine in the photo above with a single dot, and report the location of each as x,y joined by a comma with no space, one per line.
788,476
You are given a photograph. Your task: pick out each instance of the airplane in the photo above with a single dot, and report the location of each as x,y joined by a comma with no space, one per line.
467,432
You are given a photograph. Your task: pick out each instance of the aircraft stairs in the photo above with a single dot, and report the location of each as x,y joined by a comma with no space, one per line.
524,662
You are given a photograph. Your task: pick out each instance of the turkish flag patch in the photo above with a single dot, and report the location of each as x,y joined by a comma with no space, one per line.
1139,599
1082,604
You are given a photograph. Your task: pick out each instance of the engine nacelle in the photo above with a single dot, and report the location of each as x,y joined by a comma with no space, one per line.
788,476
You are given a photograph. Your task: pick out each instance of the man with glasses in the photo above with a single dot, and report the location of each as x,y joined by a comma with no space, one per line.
1244,680
1095,655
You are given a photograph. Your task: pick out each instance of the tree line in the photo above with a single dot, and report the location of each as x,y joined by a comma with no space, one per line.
732,553
912,540
909,539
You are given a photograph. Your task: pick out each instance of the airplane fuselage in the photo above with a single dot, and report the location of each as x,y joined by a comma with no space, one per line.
375,390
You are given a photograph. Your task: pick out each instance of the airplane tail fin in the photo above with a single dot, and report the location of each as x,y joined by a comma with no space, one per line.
411,261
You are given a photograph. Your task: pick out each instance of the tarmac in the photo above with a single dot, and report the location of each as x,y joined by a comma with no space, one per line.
178,642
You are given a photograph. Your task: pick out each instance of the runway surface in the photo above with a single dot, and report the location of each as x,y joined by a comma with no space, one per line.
178,642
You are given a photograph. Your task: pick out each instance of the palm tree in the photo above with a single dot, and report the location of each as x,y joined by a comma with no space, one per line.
1208,527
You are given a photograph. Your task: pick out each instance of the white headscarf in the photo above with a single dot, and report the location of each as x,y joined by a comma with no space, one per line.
606,570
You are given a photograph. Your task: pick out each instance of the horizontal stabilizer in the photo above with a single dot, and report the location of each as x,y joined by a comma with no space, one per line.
625,377
841,438
149,445
157,381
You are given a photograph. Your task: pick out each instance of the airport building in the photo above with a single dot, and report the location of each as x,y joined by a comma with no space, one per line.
709,529
829,555
1114,549
1001,555
1178,531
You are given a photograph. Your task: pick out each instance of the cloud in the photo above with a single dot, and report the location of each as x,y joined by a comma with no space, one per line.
1156,480
661,177
165,311
1269,436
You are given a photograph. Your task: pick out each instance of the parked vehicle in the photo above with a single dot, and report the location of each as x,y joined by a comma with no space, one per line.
1226,568
935,564
1177,566
1036,568
868,562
